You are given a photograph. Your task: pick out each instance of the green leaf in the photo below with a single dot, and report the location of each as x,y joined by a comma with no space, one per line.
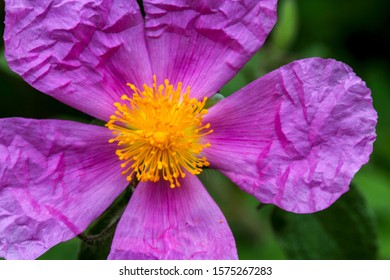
286,28
97,239
376,181
63,251
213,100
4,68
343,231
96,248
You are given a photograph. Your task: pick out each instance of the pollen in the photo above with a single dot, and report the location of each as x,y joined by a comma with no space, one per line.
159,133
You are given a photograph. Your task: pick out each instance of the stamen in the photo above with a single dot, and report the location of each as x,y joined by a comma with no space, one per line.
159,133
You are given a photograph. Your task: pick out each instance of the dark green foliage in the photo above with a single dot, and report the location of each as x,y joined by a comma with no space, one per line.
97,239
343,231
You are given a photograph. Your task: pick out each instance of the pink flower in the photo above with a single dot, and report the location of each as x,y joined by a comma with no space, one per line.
293,138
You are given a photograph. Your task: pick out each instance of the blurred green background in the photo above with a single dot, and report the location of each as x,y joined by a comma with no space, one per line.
353,31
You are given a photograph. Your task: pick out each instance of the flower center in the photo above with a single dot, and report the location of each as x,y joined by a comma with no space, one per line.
159,133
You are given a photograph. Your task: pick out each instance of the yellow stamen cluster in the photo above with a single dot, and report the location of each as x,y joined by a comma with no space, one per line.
159,133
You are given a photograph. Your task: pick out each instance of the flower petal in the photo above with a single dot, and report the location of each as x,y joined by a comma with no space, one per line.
296,136
56,177
179,223
205,43
80,52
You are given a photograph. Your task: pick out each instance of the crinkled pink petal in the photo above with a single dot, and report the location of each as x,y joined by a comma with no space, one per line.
205,43
80,52
56,177
295,137
179,223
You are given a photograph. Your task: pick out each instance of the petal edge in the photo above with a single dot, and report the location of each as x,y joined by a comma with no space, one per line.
296,136
179,223
56,177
